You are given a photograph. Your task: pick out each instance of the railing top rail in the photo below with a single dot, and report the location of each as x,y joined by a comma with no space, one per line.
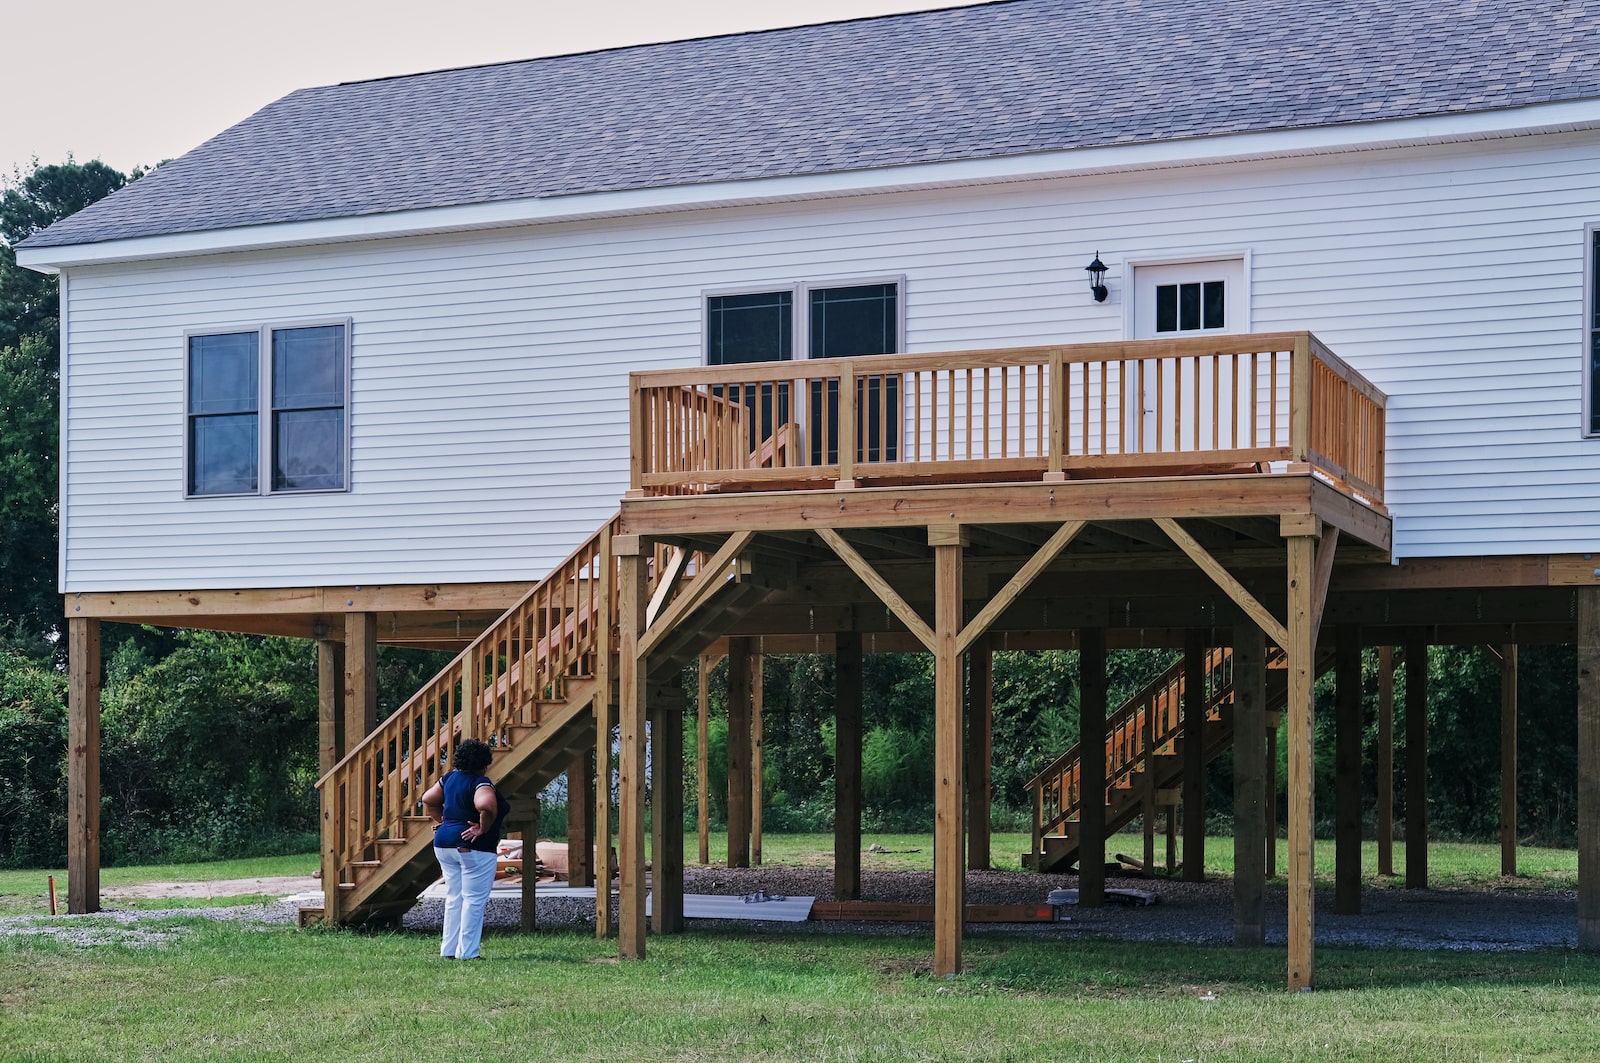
879,364
1342,368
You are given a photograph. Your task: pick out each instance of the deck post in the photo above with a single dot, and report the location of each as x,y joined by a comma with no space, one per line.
1249,783
666,814
605,718
847,766
330,704
1271,809
980,751
757,695
1385,825
528,917
580,821
1092,767
949,854
361,678
1416,763
1194,756
1508,759
1302,642
739,752
1347,772
703,757
83,766
1588,768
631,725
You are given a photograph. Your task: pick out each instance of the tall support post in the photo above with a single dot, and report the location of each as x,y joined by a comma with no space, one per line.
605,718
83,766
1589,768
949,798
580,821
361,677
1249,783
1302,642
1347,772
666,820
1194,756
631,726
847,766
980,750
1385,811
1272,798
757,768
528,918
1508,759
739,782
330,704
1092,767
1416,763
702,770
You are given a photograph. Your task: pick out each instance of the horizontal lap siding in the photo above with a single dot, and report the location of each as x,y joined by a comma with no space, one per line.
490,370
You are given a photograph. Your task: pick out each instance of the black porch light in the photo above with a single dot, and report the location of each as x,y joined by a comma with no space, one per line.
1097,278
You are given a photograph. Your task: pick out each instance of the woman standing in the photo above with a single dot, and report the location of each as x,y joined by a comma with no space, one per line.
468,812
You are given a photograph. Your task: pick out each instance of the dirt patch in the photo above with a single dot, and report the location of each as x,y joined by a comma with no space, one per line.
276,886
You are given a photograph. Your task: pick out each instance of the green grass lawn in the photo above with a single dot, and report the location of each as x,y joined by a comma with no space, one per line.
225,991
28,892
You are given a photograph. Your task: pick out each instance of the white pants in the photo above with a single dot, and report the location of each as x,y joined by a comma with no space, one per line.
468,878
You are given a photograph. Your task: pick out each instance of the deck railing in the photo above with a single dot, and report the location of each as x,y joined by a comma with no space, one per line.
1144,407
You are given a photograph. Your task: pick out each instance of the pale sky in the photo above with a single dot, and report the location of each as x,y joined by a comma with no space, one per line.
133,82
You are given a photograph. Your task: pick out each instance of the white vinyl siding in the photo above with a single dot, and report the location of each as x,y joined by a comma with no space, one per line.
489,370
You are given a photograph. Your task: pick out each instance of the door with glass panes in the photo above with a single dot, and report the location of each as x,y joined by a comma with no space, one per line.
1176,301
842,321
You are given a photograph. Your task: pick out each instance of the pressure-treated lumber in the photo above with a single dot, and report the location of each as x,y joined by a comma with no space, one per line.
879,587
706,582
1508,759
360,677
1194,757
666,816
1249,784
1301,577
1225,580
1092,768
739,784
1416,764
330,704
83,766
703,755
980,751
847,689
632,687
1589,768
949,852
757,699
1018,583
580,819
1385,797
1347,772
528,920
605,720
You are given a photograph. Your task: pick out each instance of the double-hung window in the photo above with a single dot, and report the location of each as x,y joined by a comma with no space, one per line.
268,410
1591,336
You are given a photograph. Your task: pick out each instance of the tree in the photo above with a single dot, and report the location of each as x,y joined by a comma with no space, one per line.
29,400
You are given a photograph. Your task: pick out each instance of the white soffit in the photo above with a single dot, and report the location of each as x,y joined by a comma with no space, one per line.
1318,140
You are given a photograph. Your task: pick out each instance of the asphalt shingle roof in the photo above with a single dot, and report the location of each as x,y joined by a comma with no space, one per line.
993,80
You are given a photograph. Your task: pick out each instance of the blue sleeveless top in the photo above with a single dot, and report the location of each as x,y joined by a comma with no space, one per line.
459,813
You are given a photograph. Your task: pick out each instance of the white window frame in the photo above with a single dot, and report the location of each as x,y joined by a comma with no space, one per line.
264,438
1587,428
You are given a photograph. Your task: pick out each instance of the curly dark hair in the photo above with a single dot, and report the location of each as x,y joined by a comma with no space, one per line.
473,756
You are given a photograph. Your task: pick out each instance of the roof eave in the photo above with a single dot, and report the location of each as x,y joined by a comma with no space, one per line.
1567,116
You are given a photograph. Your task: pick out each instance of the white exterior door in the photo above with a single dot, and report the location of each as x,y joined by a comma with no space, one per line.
1176,301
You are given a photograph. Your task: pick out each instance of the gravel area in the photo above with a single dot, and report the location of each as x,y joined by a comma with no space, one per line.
1186,912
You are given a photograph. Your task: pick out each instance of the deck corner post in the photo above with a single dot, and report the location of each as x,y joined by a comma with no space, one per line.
633,599
1347,772
949,854
1249,783
1589,768
847,767
1302,641
1091,768
83,766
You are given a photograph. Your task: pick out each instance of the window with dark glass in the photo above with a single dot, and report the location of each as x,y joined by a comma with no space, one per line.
1593,427
1190,307
285,412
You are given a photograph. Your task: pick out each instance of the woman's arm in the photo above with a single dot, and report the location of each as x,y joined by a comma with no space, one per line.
487,803
433,803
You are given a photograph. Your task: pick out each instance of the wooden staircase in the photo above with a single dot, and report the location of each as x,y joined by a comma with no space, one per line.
528,686
1144,753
